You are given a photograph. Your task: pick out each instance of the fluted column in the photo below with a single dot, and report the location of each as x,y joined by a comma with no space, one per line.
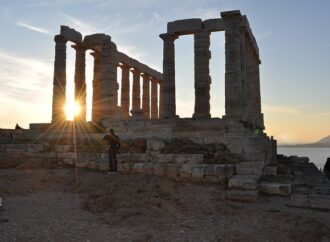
125,90
161,99
202,74
96,86
154,99
80,80
233,89
169,107
146,95
136,104
59,81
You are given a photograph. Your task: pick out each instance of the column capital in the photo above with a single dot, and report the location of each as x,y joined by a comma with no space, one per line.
136,71
168,37
79,47
124,66
60,39
145,76
95,54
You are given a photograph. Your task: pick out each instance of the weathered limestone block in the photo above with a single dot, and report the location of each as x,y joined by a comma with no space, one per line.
188,158
91,41
133,158
63,148
34,148
242,195
15,147
160,169
211,173
270,171
277,188
162,158
185,26
68,161
148,168
320,201
71,34
124,168
102,166
198,173
250,168
225,172
137,168
81,164
155,144
215,24
92,165
66,155
185,171
245,182
86,157
105,157
173,171
299,200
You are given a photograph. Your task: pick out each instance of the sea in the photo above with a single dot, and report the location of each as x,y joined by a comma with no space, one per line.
316,155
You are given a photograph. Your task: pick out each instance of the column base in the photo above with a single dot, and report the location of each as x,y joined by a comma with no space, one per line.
201,115
137,113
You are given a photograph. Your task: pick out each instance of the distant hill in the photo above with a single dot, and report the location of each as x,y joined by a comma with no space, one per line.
322,143
325,140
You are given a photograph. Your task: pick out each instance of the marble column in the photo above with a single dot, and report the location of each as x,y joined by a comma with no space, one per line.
233,78
202,74
125,90
80,80
169,107
146,95
96,86
136,103
154,98
59,81
161,99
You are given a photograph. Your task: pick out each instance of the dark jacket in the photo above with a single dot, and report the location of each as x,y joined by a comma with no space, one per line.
113,142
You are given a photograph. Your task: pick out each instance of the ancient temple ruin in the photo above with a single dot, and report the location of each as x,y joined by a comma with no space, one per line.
231,150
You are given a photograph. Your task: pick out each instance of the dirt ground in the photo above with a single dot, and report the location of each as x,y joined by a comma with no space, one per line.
68,204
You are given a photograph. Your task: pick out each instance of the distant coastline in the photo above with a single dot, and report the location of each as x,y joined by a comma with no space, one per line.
312,145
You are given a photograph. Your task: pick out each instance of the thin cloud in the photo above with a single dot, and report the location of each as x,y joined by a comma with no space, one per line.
34,28
80,25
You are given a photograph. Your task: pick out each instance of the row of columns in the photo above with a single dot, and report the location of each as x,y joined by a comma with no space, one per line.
242,81
105,86
147,111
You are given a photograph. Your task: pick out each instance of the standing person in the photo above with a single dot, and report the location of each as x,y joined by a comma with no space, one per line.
113,147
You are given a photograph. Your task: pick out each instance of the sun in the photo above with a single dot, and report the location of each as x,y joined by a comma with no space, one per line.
72,109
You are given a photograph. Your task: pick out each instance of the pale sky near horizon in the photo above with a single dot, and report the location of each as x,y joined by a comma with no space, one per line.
293,38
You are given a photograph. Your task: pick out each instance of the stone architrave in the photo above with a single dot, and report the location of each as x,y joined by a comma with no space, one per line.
59,82
154,98
125,90
80,80
136,104
168,90
96,86
233,75
202,74
146,95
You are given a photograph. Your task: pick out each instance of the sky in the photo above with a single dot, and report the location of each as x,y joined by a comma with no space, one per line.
293,38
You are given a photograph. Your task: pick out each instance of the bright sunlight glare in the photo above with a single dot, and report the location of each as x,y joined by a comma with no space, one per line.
72,109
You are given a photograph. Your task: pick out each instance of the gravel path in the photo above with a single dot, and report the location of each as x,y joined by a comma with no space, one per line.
77,205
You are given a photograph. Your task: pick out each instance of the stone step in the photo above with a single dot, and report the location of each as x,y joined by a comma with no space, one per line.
245,182
242,195
277,188
250,168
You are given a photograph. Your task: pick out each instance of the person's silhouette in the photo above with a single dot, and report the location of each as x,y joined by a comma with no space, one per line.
113,147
